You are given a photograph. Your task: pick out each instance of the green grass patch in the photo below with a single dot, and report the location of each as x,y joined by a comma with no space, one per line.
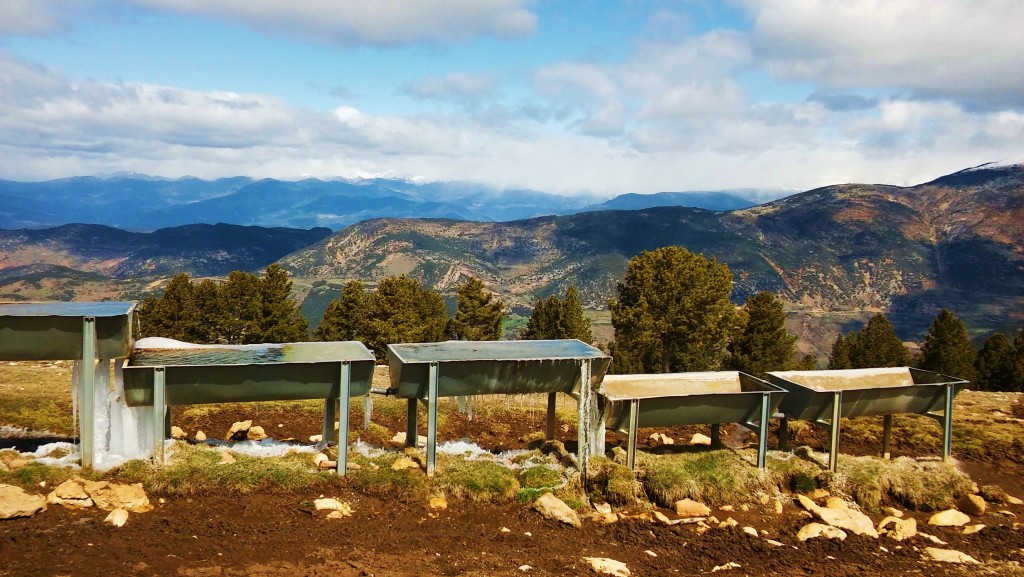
376,477
613,482
919,485
479,480
539,477
711,477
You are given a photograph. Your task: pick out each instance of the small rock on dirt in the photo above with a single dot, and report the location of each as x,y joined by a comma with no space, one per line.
403,463
332,504
226,458
15,502
691,508
972,529
726,567
949,518
700,439
177,433
109,496
603,508
70,494
554,508
847,519
973,505
815,530
118,517
751,531
438,502
948,555
238,430
200,436
901,528
606,566
256,433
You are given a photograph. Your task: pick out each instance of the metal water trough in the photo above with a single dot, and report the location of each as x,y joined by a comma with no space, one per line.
675,399
824,397
428,371
197,374
89,332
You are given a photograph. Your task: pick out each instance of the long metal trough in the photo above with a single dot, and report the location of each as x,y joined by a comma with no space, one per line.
825,397
89,332
185,374
428,371
675,399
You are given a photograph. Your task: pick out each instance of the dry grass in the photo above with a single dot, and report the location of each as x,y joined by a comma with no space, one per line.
915,484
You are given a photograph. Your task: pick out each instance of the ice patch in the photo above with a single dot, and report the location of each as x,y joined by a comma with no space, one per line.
267,448
163,343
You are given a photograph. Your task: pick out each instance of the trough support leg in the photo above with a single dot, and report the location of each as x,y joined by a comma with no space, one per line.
159,411
762,435
87,392
784,433
584,428
716,436
549,429
343,401
947,424
833,451
886,437
367,411
411,425
432,420
634,422
330,417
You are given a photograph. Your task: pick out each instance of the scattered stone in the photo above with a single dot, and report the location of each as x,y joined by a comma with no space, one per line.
1006,513
745,508
836,503
949,518
729,508
319,458
751,531
238,430
15,502
730,522
932,538
973,505
778,507
403,463
608,566
118,517
893,512
666,440
339,514
948,555
775,543
332,504
815,530
654,438
177,433
818,494
438,502
328,465
554,508
109,496
603,508
845,518
902,528
421,441
729,565
226,458
256,434
662,518
606,518
506,530
70,494
651,553
691,508
700,439
316,438
18,463
972,529
200,436
1011,500
525,568
764,499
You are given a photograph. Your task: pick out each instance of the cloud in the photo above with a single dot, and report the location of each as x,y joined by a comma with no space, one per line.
348,22
964,50
36,17
455,87
845,101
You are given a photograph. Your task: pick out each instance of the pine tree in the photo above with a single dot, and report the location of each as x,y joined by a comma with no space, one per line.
344,317
553,318
575,325
174,314
478,314
280,320
876,345
401,310
544,320
996,364
239,309
840,356
763,344
673,312
947,348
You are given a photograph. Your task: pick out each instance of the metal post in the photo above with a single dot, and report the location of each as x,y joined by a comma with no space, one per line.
886,436
762,435
549,430
634,422
432,419
330,417
583,428
159,410
947,424
343,400
411,426
833,452
784,433
716,436
87,392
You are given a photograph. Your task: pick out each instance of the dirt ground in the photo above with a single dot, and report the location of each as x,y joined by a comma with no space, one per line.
274,535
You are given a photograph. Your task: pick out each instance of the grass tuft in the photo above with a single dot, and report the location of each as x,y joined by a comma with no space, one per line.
919,485
479,480
615,482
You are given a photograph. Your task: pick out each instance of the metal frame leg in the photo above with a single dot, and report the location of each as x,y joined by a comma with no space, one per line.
716,436
886,437
411,425
947,424
330,417
833,453
432,419
549,429
343,401
87,393
784,433
762,436
159,412
634,422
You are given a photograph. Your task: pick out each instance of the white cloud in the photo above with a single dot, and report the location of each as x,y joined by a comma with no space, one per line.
967,50
456,87
346,22
37,16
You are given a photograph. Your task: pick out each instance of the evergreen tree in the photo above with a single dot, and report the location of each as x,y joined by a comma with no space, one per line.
947,348
205,295
401,310
840,356
1018,345
673,313
343,319
239,309
996,364
478,314
544,320
174,314
763,344
876,345
280,319
575,325
558,319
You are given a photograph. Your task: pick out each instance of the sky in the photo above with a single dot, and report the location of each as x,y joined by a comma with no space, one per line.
599,97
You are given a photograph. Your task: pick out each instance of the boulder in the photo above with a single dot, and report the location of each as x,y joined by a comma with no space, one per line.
973,505
901,528
70,494
948,555
15,502
690,508
949,518
118,517
606,566
109,496
255,434
815,530
836,503
238,430
700,439
845,518
554,508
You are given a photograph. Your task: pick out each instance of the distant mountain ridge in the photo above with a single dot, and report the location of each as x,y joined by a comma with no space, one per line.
716,201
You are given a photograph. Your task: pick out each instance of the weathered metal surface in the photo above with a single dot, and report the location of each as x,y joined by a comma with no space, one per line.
53,331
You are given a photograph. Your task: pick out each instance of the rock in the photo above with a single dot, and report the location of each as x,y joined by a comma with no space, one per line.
525,568
70,494
332,504
15,502
836,503
666,440
552,507
972,505
818,494
603,508
1011,500
745,508
815,530
972,529
774,543
200,436
316,438
176,433
339,514
238,430
778,507
606,518
320,458
729,508
948,555
691,508
730,522
421,441
931,538
654,438
607,566
403,463
662,518
949,518
256,434
847,519
109,496
327,465
226,458
651,553
751,531
1007,513
700,439
118,517
438,502
726,566
893,512
901,528
18,463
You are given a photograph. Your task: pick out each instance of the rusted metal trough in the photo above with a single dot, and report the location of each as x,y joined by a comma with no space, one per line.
824,397
697,398
428,371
